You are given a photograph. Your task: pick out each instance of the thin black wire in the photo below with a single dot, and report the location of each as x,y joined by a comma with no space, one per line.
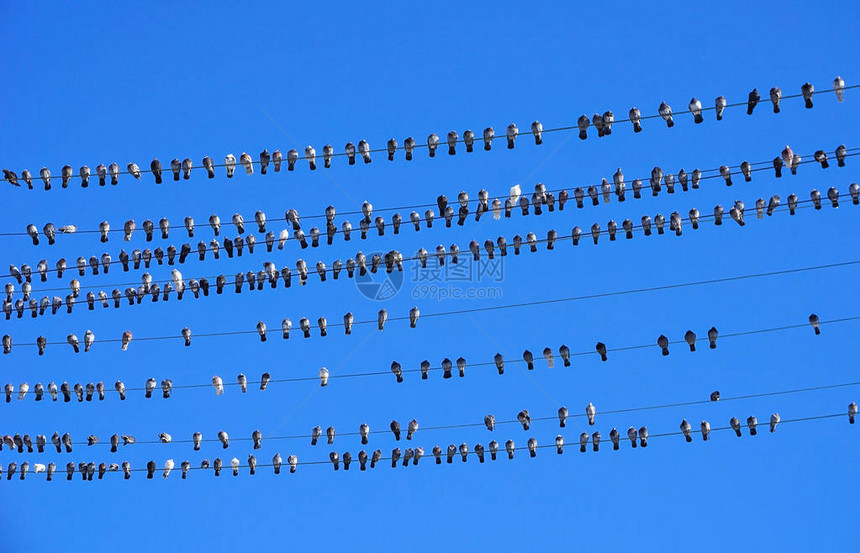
801,204
502,453
511,361
478,139
850,152
515,421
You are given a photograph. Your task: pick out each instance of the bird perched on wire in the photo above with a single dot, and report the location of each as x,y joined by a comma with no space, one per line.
524,418
666,113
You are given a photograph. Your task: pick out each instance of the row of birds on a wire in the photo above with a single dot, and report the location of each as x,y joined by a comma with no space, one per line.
540,197
390,261
64,442
322,326
91,390
602,123
19,442
637,437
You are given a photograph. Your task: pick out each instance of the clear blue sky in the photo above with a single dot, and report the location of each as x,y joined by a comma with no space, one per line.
103,83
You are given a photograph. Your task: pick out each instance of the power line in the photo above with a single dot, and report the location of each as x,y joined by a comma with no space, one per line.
647,185
498,422
238,166
58,475
272,278
427,368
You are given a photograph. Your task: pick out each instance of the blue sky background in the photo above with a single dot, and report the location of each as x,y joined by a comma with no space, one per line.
103,83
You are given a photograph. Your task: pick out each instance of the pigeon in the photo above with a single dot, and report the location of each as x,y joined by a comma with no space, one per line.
89,338
230,165
643,436
490,422
720,105
261,329
187,165
234,464
216,464
11,177
807,90
85,176
224,439
774,420
635,118
632,435
411,428
663,343
166,388
397,370
833,196
323,375
814,321
149,387
66,173
218,384
364,151
469,140
73,341
244,159
583,441
775,97
736,426
690,338
176,168
509,447
168,466
155,166
666,113
209,165
839,88
752,100
706,430
511,134
524,418
537,131
582,123
751,423
696,109
852,412
45,174
601,350
126,339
